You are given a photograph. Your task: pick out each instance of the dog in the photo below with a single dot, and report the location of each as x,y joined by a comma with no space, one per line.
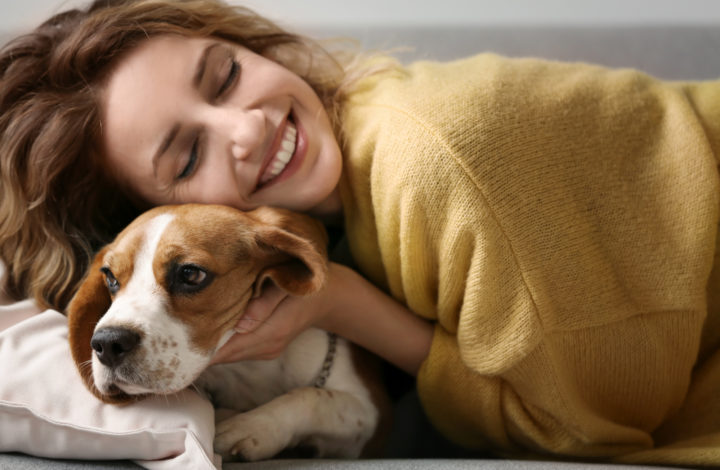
164,296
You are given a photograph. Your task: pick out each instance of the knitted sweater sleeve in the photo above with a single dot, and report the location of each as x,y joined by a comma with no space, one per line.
557,222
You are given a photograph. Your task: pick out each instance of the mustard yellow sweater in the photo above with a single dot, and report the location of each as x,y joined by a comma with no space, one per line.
558,222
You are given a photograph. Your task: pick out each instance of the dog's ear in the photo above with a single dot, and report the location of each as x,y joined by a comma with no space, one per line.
295,250
84,311
302,225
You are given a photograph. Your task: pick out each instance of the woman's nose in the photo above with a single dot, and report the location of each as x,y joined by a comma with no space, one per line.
246,132
238,152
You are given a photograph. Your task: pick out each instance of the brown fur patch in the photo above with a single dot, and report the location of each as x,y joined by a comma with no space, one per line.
240,251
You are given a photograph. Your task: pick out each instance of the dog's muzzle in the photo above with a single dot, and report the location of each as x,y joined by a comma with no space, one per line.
113,344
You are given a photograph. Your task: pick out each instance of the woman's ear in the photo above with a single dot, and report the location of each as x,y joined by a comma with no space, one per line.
84,311
294,253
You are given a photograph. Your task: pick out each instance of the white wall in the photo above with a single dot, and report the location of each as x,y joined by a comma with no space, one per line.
22,15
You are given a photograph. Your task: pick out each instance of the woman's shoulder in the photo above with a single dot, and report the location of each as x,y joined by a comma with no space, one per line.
415,87
406,129
426,97
432,111
448,97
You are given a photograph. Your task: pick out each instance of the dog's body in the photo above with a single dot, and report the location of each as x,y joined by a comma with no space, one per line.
164,297
285,409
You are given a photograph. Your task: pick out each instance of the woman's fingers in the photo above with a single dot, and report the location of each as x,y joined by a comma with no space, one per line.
260,308
270,322
242,346
250,340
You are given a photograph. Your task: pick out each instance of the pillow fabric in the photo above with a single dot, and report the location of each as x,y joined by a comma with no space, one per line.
46,411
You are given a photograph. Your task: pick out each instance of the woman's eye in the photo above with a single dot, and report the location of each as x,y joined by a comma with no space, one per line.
192,161
230,78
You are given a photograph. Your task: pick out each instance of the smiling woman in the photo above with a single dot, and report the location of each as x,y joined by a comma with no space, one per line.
234,128
59,201
536,241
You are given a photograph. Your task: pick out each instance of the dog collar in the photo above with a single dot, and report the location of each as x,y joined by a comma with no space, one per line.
328,362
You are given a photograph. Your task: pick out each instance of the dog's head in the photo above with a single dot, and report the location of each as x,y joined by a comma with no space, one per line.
165,295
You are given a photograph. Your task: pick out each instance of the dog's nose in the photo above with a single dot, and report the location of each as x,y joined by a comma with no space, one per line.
113,344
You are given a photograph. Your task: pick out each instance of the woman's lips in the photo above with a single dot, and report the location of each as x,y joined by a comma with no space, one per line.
287,154
283,154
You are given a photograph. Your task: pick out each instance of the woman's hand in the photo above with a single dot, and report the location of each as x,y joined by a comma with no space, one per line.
271,321
348,305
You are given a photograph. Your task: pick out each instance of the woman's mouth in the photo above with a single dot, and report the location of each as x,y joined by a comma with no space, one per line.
282,156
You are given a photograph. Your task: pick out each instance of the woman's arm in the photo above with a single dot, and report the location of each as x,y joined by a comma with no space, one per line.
348,305
367,316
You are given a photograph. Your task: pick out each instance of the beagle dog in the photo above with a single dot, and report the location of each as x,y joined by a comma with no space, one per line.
165,295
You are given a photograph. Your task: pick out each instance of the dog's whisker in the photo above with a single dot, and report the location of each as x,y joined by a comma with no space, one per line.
85,365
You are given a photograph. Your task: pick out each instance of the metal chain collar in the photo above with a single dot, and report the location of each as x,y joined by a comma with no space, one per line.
328,362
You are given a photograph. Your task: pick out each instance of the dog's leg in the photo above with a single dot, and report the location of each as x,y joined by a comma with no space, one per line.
221,414
336,423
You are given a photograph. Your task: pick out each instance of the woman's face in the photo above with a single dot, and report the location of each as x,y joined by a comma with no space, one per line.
203,120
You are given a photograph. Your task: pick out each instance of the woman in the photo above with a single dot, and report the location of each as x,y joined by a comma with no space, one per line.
546,232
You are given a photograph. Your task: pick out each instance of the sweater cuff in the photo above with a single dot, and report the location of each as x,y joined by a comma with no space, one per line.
443,384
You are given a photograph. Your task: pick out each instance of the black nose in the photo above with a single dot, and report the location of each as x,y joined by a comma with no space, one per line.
112,345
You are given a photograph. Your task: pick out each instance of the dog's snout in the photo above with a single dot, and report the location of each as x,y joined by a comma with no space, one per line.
113,344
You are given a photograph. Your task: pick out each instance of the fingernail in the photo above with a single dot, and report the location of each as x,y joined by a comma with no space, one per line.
243,326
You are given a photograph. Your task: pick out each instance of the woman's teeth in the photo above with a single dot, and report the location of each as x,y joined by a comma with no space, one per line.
283,155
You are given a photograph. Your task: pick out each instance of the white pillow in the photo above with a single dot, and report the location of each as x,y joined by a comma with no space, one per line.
46,411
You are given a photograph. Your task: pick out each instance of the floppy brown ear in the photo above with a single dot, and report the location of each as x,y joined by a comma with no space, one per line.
295,250
84,311
302,225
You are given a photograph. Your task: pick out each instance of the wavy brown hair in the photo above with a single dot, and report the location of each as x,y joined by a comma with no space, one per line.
57,203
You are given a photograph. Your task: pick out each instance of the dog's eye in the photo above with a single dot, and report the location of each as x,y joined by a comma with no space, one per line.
112,284
192,275
188,278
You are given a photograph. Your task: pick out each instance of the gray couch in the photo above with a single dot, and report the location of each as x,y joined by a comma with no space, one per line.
666,52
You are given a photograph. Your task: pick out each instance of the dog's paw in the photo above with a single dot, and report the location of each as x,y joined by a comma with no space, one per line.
250,437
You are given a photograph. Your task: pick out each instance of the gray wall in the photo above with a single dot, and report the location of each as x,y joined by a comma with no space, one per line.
474,12
21,15
679,39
